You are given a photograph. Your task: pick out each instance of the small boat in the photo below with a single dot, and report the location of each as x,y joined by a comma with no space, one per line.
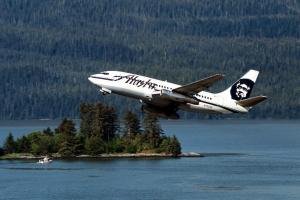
45,160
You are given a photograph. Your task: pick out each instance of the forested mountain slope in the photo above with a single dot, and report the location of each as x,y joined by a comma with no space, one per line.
49,48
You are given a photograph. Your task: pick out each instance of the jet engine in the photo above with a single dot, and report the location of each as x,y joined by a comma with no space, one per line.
160,112
167,94
105,91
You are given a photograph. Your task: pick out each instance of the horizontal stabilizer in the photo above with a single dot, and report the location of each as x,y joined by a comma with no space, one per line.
198,86
251,101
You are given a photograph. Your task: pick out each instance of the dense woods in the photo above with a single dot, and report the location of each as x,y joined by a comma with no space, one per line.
49,47
100,132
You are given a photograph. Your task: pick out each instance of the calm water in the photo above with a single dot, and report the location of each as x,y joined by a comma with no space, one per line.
266,165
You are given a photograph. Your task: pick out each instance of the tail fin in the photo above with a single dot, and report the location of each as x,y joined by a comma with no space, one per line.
242,88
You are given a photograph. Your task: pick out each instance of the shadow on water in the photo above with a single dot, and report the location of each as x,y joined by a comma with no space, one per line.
93,176
218,188
223,154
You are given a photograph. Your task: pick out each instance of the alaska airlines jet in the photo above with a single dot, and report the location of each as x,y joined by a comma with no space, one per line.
165,99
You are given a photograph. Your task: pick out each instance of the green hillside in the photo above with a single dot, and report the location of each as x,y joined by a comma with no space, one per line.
49,48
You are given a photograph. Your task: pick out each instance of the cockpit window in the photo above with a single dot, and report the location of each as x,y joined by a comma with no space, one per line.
104,73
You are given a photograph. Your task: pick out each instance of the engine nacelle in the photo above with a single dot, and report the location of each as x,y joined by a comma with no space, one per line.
167,94
105,91
160,112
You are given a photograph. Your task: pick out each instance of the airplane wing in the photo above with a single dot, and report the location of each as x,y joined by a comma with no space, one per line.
198,86
166,96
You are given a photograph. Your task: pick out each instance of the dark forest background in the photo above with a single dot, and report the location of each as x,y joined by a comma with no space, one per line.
49,48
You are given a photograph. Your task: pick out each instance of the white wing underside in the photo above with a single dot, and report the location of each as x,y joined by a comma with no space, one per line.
184,94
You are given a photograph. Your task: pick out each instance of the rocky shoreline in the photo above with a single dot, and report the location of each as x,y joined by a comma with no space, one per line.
24,156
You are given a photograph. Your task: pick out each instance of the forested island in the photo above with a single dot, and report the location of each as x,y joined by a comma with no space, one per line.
100,133
49,48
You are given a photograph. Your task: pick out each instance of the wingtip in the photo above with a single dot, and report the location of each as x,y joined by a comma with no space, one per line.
220,76
264,97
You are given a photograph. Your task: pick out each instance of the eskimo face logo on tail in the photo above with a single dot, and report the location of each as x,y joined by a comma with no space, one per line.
241,89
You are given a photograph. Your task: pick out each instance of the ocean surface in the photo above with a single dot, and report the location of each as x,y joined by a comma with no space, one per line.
244,160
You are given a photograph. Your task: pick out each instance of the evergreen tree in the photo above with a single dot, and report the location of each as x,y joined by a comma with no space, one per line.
152,130
9,144
117,145
79,144
37,143
23,145
43,144
99,124
110,124
67,128
175,147
98,121
105,122
132,125
67,132
48,131
94,145
170,145
87,115
66,149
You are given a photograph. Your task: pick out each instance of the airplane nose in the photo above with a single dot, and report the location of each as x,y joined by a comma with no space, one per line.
92,80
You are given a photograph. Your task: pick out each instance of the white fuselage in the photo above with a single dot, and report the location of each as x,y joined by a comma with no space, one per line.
142,88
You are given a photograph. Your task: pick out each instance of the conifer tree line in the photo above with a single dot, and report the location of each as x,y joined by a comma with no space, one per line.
48,49
100,132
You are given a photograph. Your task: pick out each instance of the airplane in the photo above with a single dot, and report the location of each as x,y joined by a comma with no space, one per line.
164,98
